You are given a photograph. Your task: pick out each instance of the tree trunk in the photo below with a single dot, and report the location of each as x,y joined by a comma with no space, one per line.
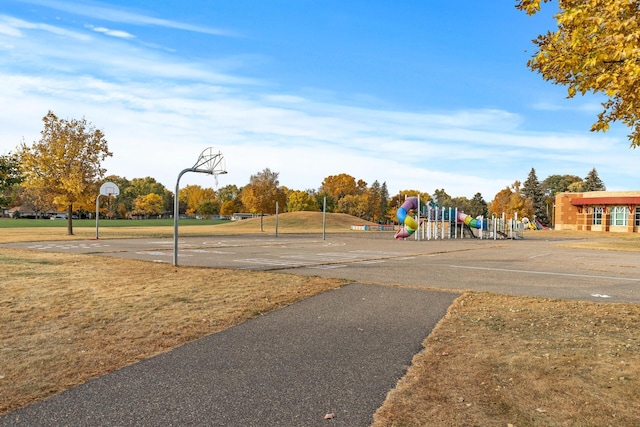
70,220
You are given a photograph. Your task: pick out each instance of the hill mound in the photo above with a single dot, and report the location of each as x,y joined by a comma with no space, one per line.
297,222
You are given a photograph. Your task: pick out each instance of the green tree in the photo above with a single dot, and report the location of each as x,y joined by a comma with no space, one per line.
442,198
478,206
354,204
555,184
462,203
595,49
592,182
10,177
66,162
532,189
132,189
262,193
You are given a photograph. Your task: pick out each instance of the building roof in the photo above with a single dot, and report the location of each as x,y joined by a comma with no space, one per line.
615,200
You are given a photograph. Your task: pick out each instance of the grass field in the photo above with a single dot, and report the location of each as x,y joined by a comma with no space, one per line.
494,360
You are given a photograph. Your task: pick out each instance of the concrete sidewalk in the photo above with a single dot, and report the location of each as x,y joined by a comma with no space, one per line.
337,353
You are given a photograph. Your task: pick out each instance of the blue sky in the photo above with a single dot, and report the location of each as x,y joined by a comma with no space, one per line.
418,94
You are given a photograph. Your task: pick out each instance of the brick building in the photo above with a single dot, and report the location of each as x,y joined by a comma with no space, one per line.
604,211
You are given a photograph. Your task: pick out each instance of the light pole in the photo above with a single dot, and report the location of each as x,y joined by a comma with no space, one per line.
209,162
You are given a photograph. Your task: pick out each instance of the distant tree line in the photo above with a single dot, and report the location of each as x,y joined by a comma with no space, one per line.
63,171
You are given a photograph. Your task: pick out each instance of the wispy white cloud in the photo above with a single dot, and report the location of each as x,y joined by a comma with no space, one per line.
110,32
111,13
11,26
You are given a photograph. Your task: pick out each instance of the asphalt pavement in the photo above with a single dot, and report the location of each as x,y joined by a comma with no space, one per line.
334,355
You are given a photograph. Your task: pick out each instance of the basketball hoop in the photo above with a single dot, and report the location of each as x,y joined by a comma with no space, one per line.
210,162
107,189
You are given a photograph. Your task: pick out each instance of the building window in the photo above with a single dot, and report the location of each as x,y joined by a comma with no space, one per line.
619,215
637,216
597,215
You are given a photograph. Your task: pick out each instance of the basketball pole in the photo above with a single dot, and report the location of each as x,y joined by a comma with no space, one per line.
208,162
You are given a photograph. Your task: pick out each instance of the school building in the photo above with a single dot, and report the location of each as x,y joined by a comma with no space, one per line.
604,211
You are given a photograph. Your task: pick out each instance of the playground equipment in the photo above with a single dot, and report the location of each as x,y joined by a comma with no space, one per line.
410,224
436,222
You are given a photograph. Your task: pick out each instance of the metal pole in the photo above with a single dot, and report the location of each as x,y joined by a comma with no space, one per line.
324,218
97,215
276,219
176,214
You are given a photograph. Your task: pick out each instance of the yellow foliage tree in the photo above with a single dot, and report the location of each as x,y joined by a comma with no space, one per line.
262,193
66,162
510,201
595,49
338,186
195,197
299,200
148,205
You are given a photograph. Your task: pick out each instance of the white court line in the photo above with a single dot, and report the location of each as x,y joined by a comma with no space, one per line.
548,273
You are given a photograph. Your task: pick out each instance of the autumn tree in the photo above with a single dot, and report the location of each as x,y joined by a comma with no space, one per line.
262,193
594,49
532,189
354,204
66,162
148,205
124,204
10,177
510,201
338,186
229,197
199,200
298,200
592,182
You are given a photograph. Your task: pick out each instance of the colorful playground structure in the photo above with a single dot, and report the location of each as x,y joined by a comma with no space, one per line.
435,222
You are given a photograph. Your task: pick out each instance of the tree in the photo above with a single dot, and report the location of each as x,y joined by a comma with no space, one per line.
10,177
442,198
147,205
262,193
338,186
198,199
478,207
353,204
66,162
592,182
228,208
595,49
132,189
511,201
301,201
555,184
532,189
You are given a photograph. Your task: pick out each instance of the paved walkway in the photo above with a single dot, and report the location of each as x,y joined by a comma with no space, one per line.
337,353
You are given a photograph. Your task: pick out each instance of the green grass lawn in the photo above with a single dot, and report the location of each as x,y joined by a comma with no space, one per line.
35,223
